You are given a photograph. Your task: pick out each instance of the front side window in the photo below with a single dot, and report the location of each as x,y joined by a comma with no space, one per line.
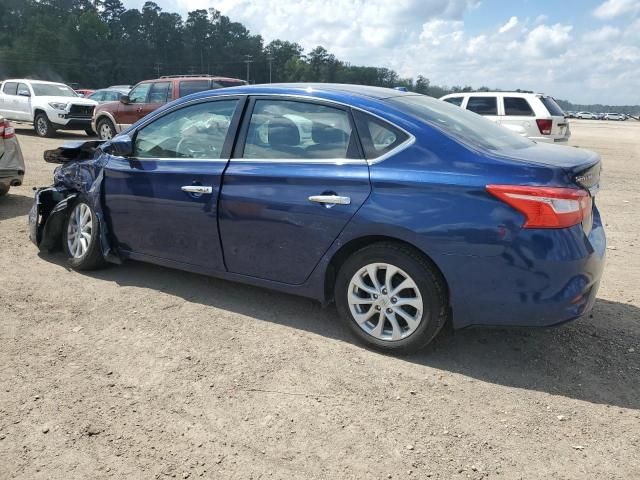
290,129
187,87
378,137
517,106
160,92
139,93
459,123
457,101
196,131
483,105
52,90
10,88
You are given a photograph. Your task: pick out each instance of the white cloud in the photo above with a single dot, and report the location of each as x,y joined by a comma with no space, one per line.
433,38
510,25
615,8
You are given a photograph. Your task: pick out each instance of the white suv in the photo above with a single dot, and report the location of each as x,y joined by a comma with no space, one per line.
531,115
48,106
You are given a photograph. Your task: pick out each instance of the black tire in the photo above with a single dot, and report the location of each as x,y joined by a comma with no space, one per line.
4,189
42,125
103,126
89,132
425,275
92,257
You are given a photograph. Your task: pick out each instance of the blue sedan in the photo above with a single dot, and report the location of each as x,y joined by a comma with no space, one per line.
406,211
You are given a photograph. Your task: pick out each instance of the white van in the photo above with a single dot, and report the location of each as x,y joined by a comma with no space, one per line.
531,115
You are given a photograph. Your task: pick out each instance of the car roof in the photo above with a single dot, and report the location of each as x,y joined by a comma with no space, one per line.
493,94
192,77
346,93
31,80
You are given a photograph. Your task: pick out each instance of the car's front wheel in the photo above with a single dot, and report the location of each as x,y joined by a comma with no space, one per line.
81,237
43,126
391,297
106,130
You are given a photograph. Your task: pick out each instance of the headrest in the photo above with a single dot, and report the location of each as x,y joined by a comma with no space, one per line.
283,133
325,134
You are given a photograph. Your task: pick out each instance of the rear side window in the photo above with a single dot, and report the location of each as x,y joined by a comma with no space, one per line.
518,107
281,129
160,92
10,88
378,137
188,87
483,105
457,101
552,106
228,83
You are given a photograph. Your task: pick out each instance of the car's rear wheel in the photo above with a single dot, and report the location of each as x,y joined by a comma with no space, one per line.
81,237
4,189
106,129
391,297
42,125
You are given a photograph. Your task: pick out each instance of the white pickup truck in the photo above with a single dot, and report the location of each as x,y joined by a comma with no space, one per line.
49,106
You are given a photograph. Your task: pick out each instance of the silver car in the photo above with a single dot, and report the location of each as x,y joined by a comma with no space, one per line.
11,160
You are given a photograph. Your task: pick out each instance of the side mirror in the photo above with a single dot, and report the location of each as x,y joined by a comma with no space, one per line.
120,146
125,99
24,93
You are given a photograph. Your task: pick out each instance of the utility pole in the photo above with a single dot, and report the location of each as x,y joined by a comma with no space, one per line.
270,60
157,67
248,61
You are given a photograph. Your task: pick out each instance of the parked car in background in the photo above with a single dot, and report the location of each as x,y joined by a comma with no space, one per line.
111,94
586,116
49,106
614,116
11,160
405,210
532,115
84,92
111,118
120,87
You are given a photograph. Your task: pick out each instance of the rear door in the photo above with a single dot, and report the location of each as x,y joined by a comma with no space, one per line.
560,127
7,100
519,116
296,178
161,201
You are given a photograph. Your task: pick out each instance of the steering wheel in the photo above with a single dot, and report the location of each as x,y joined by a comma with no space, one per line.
190,148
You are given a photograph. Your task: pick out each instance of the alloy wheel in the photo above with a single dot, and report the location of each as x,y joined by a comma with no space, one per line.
105,131
41,124
385,301
79,230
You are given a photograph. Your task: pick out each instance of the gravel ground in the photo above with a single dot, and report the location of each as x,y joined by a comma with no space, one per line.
139,371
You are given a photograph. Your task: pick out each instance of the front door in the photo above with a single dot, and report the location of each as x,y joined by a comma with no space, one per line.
129,113
161,203
296,179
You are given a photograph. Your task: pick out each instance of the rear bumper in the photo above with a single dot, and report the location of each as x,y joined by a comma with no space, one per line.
552,140
542,278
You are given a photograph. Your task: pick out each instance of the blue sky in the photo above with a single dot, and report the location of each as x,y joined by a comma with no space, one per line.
585,51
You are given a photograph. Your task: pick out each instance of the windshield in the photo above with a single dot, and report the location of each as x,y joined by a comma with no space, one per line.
459,123
52,90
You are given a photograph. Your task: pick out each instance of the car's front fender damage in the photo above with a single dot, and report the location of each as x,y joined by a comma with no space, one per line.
80,175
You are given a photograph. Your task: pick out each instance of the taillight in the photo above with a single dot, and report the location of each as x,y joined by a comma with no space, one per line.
544,125
6,130
546,207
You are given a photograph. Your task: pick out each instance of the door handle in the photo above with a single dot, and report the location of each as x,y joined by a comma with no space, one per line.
330,199
197,189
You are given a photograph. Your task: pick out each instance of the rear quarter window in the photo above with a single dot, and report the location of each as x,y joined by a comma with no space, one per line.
377,136
483,105
517,106
551,105
187,87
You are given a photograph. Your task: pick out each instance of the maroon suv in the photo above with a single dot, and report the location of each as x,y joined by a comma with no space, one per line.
111,118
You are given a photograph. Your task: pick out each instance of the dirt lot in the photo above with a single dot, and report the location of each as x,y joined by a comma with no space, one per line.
143,372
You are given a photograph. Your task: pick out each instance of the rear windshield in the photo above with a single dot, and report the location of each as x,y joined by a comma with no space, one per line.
459,123
552,106
52,90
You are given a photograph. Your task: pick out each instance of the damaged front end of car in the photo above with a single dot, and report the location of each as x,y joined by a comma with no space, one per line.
79,175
